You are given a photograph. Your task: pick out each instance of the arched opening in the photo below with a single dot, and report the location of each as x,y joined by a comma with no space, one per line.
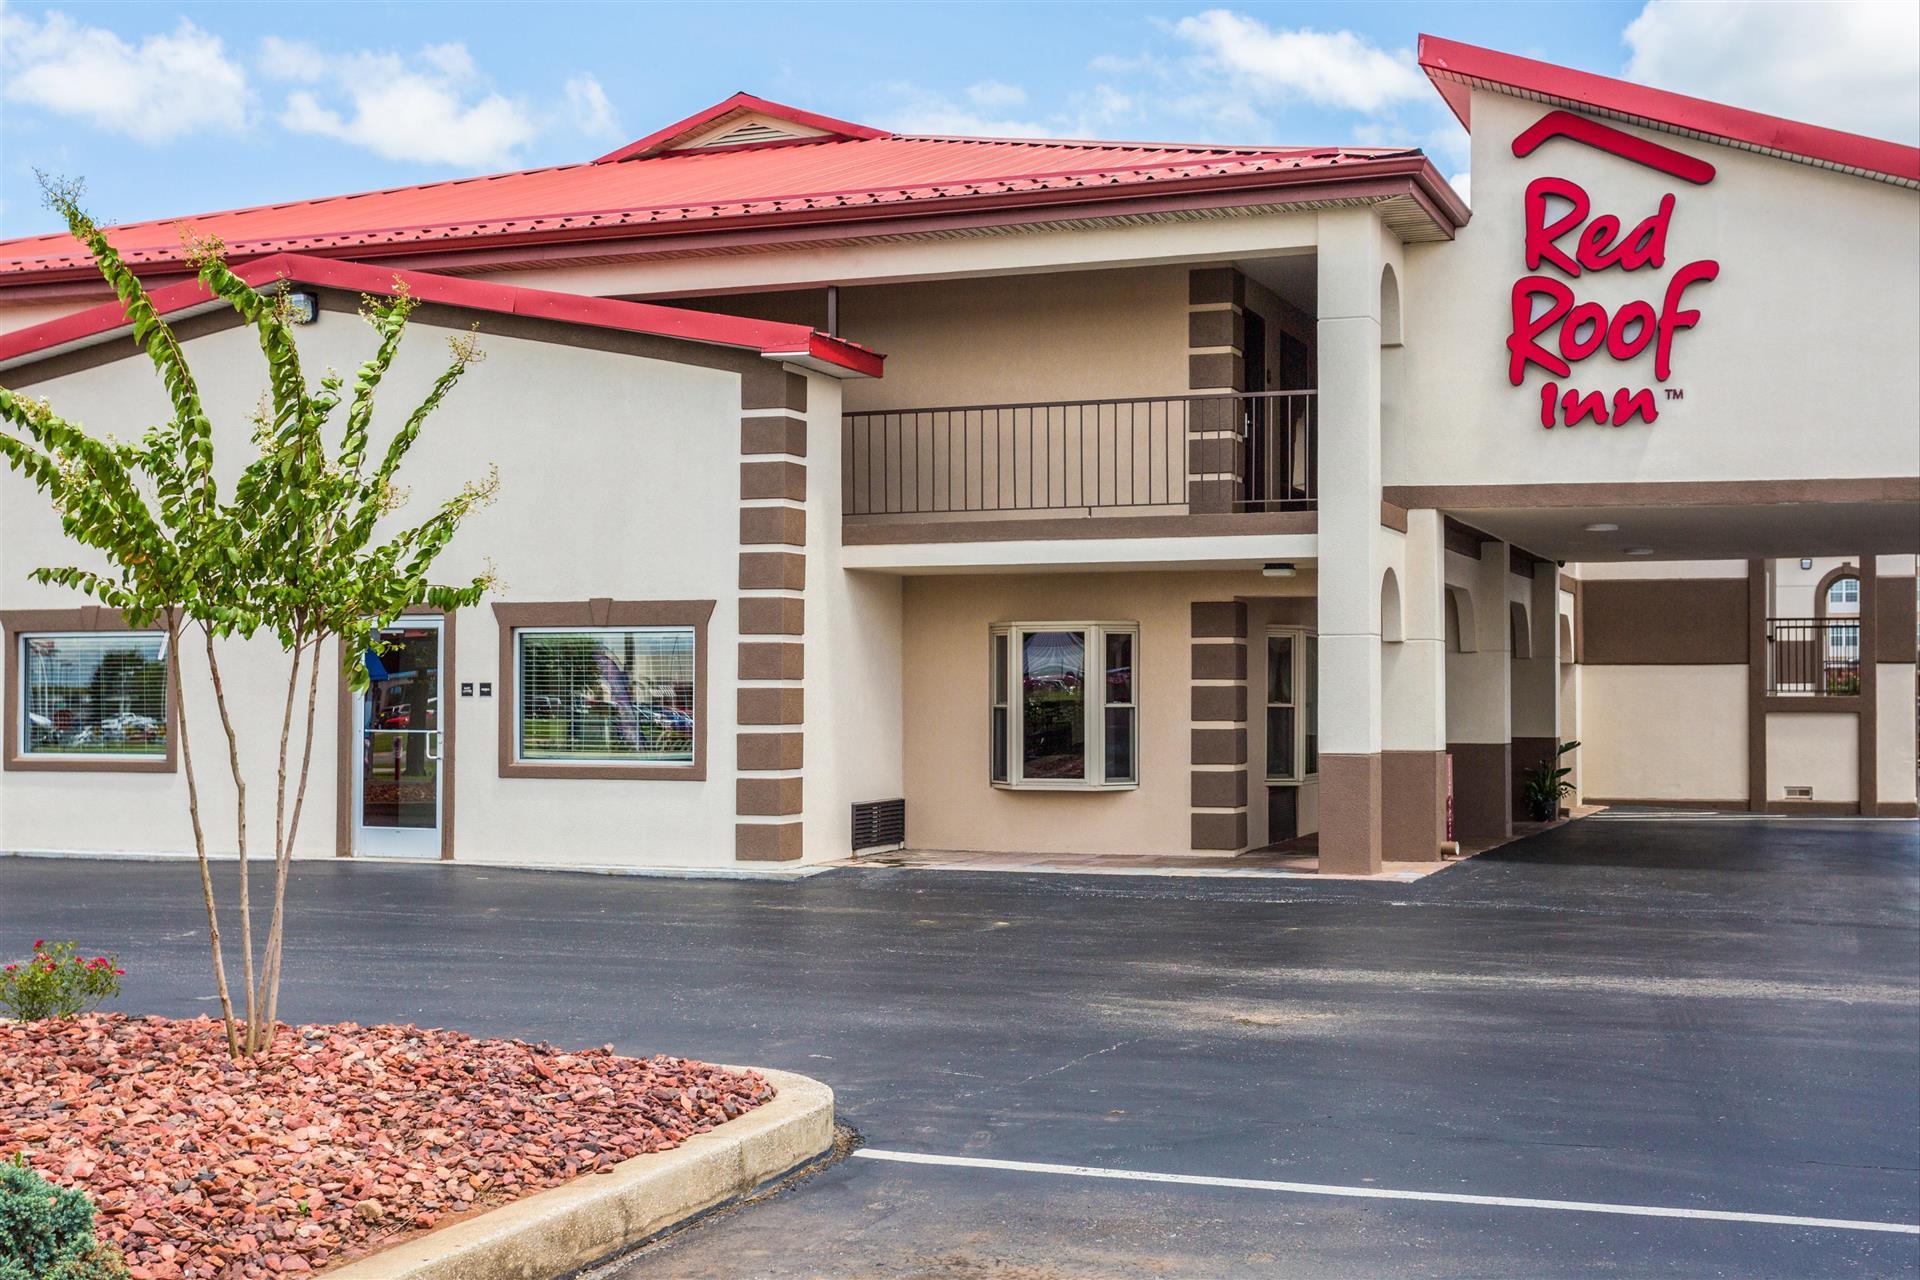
1461,635
1519,632
1389,308
1838,594
1391,631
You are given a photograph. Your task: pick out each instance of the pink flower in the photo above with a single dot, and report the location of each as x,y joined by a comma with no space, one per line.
39,943
118,972
12,967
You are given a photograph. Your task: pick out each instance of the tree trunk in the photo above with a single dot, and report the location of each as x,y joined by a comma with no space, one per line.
199,834
240,823
283,840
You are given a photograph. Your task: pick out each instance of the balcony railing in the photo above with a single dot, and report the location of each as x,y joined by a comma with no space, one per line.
1813,656
1106,456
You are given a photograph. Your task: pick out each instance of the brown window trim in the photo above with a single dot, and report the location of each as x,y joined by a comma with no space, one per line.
604,612
15,623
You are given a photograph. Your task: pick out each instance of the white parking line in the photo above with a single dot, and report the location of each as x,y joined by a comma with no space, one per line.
1382,1193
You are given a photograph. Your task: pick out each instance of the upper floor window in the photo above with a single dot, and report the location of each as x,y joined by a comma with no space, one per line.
1064,705
1844,596
93,695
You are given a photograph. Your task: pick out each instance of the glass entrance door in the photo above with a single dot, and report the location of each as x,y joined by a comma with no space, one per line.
396,780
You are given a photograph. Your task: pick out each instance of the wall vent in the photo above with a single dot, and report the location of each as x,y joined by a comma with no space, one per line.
1799,793
879,824
750,131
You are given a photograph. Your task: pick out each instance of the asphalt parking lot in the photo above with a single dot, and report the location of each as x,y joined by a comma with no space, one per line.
1696,1018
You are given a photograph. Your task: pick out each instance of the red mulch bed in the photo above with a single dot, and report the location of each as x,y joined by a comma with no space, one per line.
348,1140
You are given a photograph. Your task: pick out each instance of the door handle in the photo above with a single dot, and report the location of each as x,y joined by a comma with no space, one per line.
433,746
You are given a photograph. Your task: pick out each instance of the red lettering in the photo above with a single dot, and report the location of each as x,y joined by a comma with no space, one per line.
1547,394
1578,408
1626,404
1541,234
1572,345
1672,318
1647,246
1527,327
1596,251
1619,345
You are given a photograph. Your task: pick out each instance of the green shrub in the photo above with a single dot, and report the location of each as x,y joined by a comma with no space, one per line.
56,983
46,1232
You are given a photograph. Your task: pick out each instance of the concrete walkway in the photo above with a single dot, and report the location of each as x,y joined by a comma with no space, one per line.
1706,1015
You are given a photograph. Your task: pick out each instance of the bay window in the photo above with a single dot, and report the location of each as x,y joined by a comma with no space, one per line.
1063,705
1293,705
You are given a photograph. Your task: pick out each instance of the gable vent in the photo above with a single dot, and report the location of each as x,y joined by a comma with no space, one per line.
750,131
879,824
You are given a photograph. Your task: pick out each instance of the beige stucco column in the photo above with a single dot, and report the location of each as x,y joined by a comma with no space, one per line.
1536,680
1350,265
1413,764
1479,703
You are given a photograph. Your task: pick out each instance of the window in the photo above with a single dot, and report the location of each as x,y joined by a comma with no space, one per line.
605,695
99,696
1063,705
1293,705
1844,596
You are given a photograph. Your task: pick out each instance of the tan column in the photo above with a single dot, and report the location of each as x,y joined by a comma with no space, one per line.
1219,732
770,786
1351,262
1536,678
1216,363
1479,706
1413,760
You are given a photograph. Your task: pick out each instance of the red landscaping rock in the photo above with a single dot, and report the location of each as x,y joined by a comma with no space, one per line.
347,1140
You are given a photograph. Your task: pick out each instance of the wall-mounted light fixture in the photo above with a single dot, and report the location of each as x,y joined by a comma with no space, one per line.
303,307
1806,562
1277,570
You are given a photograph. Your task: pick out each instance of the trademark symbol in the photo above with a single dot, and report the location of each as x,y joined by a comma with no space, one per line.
1675,393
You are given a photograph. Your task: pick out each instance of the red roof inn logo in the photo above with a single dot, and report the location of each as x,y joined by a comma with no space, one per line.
1552,328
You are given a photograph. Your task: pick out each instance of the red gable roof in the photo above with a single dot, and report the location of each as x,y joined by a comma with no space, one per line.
1457,69
849,173
791,342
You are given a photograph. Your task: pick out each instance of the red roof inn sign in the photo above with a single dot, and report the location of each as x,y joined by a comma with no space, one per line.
1552,329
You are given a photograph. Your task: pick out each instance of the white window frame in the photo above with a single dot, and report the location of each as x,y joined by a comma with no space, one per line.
1303,640
1094,705
25,726
564,762
1838,596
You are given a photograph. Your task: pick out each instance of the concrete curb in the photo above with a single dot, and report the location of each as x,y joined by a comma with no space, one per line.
559,1231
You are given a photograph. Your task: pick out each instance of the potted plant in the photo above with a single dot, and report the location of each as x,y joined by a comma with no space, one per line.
1545,785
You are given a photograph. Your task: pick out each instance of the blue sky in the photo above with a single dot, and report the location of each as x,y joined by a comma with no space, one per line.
178,108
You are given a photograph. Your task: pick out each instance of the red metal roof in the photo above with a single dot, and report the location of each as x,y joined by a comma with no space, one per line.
795,342
836,178
1456,69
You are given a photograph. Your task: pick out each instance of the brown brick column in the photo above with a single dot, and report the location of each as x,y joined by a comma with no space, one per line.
1219,779
773,578
1216,362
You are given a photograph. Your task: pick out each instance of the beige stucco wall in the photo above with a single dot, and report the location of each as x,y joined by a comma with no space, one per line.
951,805
1894,736
586,508
1817,749
1663,732
19,315
1810,260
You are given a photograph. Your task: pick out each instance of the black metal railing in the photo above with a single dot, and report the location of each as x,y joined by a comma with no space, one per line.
1815,656
1081,455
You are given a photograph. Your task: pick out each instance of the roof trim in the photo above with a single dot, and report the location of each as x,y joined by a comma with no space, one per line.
794,342
1456,69
661,139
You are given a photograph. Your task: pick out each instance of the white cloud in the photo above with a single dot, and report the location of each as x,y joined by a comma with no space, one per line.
296,60
434,109
1853,65
1463,183
991,95
162,88
591,112
1327,68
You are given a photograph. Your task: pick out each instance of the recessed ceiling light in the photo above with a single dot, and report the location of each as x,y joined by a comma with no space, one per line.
1603,527
1277,570
1639,551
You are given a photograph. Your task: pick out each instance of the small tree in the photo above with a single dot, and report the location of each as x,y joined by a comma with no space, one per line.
291,553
